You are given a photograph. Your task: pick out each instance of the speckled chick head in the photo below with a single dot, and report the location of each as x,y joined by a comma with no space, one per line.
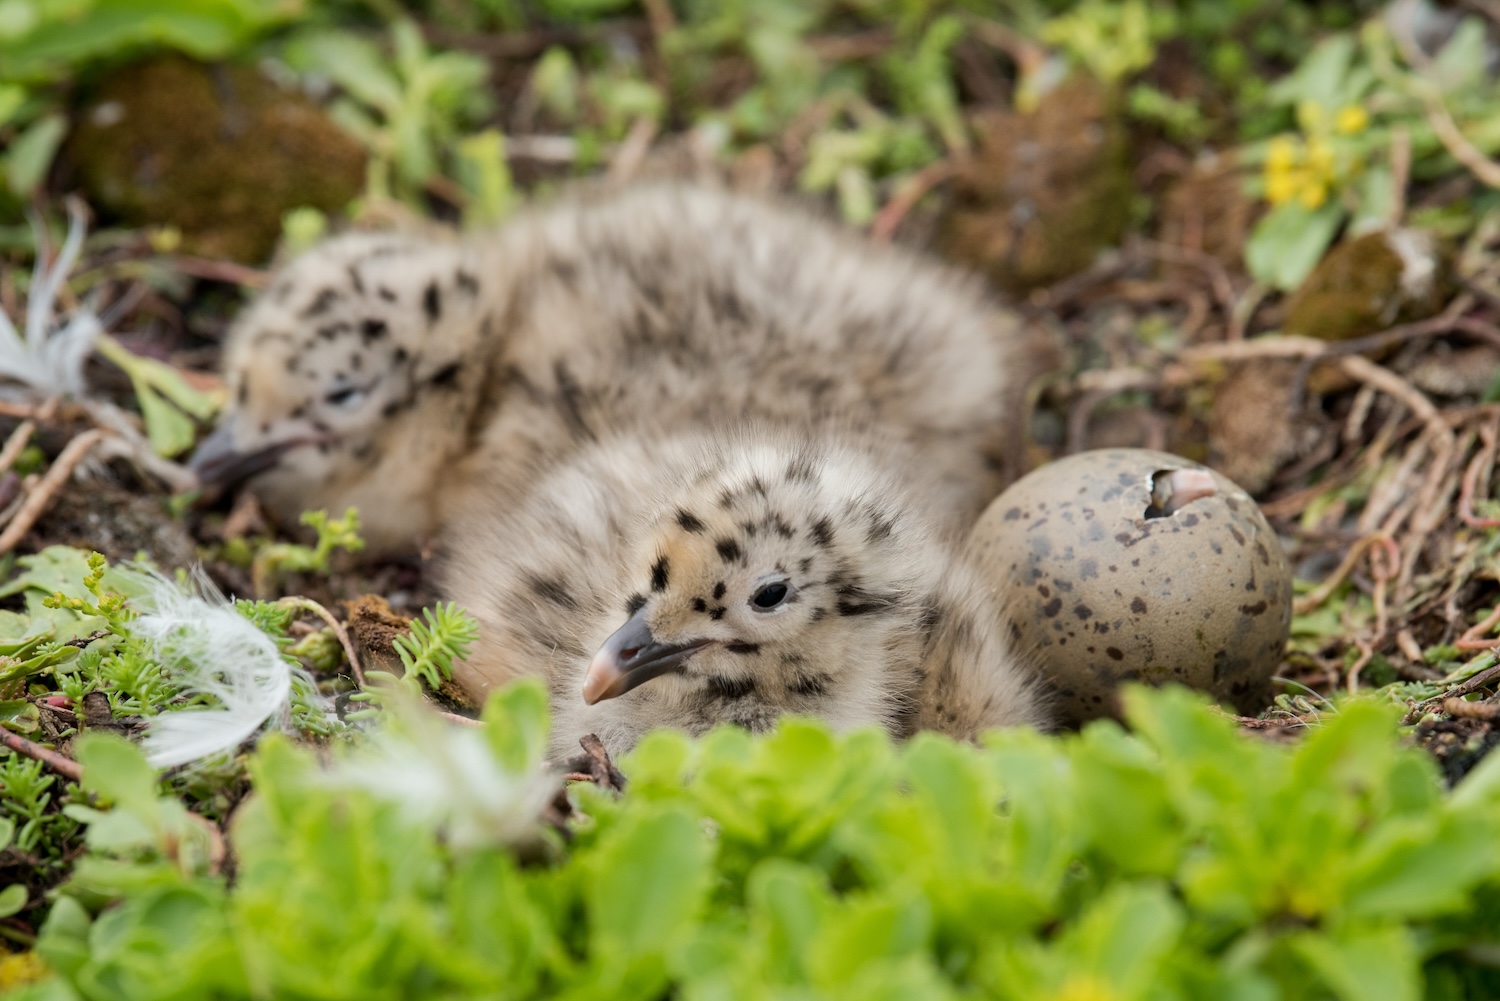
781,579
348,382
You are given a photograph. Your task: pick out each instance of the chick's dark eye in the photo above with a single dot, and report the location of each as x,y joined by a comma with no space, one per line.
770,596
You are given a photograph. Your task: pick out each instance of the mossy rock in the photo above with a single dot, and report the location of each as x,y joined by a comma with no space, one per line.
220,152
1045,191
1372,282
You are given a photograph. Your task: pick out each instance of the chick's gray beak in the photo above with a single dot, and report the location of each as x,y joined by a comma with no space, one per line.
218,463
632,657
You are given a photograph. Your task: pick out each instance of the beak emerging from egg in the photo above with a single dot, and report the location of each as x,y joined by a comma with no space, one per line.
1174,489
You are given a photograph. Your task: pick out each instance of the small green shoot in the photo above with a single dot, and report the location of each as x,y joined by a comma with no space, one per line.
440,635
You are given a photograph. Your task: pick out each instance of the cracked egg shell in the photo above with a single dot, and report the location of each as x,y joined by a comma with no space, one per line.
1126,564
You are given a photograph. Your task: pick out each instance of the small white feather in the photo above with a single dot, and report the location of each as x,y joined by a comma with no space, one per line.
51,356
210,649
448,775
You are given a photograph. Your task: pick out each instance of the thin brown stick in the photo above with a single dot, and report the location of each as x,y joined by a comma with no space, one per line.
16,444
659,15
1366,654
222,271
1480,680
1471,710
64,766
1278,346
1323,591
1388,382
1400,172
307,604
1476,636
1218,277
460,720
633,149
888,219
1483,462
36,503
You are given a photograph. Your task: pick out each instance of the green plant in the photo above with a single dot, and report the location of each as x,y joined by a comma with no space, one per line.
441,634
28,797
1355,99
277,558
407,108
1187,860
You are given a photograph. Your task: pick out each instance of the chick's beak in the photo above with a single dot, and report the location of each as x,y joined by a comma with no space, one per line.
217,462
632,656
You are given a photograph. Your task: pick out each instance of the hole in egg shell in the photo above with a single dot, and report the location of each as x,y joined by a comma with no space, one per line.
1174,489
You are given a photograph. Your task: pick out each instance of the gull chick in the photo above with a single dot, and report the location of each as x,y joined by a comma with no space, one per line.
733,578
415,377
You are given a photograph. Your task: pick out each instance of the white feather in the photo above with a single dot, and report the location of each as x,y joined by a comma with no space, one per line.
50,358
213,650
448,775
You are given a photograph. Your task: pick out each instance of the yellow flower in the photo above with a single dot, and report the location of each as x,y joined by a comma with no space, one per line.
1310,115
1314,193
20,969
1320,157
1282,154
1282,186
1351,119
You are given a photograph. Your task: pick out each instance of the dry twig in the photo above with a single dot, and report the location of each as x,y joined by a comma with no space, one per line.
37,501
64,766
308,605
16,443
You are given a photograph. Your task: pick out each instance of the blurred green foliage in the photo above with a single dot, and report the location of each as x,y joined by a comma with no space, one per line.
1185,861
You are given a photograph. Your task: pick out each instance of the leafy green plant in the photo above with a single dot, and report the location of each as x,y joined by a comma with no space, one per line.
277,558
1352,96
29,797
441,634
407,108
1186,860
43,40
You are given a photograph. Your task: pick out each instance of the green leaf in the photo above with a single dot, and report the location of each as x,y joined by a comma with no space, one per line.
647,883
788,902
20,716
70,34
1127,935
517,721
30,155
1288,242
118,771
356,65
1320,76
170,431
64,938
12,899
1124,802
1359,965
485,175
864,930
159,376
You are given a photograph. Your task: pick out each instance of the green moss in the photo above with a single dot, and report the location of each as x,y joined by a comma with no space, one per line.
1364,285
217,151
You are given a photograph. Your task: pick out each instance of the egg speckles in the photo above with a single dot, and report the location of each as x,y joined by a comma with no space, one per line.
1132,565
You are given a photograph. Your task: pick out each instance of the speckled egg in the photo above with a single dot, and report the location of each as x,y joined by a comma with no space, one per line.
1125,564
